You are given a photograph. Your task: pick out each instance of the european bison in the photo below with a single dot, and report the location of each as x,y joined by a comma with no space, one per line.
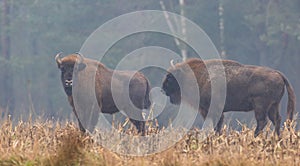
248,88
104,80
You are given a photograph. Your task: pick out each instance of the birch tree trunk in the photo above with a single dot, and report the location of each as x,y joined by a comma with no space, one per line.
182,27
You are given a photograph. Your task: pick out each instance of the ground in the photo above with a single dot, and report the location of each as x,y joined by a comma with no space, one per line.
52,143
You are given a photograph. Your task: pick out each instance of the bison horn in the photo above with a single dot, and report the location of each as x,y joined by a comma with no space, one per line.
80,57
57,58
172,63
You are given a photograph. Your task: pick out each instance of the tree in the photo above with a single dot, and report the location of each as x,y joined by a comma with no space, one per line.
6,89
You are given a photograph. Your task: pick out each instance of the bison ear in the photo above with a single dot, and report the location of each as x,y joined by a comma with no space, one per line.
79,60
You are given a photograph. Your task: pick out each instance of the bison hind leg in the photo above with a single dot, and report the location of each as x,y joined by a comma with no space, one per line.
274,116
260,112
219,125
261,123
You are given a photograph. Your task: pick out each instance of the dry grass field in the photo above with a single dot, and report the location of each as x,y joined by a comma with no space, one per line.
51,143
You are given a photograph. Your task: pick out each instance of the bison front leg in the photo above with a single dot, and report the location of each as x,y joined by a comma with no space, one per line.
219,124
140,126
82,129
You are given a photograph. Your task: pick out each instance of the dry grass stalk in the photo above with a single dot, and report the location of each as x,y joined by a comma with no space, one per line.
52,143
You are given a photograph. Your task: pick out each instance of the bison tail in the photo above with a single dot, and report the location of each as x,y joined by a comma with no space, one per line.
291,98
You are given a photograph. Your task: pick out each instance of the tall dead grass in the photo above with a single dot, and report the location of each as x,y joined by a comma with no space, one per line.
52,143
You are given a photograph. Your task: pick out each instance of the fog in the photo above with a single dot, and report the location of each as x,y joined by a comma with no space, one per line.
32,32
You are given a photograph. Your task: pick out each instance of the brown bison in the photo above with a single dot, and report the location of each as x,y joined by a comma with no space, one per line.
104,81
247,88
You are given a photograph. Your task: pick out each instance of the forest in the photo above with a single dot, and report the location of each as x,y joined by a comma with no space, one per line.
38,126
32,32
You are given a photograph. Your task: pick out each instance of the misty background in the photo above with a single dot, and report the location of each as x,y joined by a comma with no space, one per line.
32,32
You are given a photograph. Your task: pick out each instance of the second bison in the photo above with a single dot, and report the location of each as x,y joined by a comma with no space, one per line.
248,88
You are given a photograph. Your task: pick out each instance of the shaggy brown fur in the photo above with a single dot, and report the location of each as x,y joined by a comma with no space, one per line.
249,88
88,69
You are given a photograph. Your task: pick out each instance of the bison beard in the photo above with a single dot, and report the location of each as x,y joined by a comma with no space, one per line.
249,88
86,114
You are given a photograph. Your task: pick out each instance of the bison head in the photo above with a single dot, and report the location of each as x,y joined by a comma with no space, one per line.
170,85
66,65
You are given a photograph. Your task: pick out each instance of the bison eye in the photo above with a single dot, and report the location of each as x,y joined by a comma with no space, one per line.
170,77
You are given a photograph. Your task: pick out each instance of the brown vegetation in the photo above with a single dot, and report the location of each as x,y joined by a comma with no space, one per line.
49,143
